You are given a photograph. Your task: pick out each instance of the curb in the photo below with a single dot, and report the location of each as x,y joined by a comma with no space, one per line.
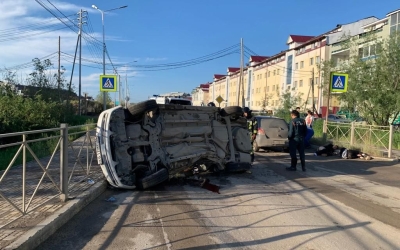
37,235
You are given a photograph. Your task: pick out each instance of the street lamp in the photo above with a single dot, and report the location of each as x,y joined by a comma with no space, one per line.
104,45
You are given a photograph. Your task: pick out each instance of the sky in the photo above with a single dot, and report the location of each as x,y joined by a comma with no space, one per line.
145,39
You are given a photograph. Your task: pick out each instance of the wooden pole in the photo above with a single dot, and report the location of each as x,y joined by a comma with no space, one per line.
325,129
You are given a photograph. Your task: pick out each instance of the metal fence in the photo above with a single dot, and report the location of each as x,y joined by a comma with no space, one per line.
367,137
32,178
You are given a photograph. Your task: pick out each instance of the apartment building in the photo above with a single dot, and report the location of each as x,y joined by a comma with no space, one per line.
200,95
298,69
306,76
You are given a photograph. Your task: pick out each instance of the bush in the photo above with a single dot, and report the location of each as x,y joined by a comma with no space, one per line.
21,114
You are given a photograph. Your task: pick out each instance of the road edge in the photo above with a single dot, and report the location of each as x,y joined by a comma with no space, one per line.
37,235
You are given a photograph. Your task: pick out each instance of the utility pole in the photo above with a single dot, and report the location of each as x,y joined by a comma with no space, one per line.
80,58
312,91
241,83
59,67
126,90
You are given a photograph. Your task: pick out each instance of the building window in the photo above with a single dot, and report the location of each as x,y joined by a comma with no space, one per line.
278,72
312,46
274,72
317,59
295,84
301,64
316,81
301,83
297,66
273,87
269,73
394,23
311,60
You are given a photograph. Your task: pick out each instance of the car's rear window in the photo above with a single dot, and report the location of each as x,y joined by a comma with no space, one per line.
268,123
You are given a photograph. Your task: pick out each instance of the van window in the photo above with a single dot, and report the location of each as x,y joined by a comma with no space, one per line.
181,102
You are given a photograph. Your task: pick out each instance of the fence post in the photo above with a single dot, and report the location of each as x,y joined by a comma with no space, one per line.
87,149
352,134
324,132
64,162
390,141
23,172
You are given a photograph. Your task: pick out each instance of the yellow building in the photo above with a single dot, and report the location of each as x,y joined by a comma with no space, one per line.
218,88
306,75
200,95
297,69
233,78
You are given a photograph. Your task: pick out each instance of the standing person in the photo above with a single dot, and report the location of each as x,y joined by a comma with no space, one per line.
252,127
310,131
297,132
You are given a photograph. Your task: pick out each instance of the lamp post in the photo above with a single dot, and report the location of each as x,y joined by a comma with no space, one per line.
104,45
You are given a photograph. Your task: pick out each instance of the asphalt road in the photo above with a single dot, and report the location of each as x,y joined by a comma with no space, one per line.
270,208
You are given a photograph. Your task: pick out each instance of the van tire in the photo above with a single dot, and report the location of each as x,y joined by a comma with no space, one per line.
231,111
138,109
153,179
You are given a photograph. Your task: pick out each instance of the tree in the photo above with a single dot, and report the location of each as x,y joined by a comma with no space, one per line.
374,81
99,98
265,102
288,101
49,85
8,87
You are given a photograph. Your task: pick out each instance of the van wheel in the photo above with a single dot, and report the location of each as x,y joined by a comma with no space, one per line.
140,108
153,179
256,148
231,111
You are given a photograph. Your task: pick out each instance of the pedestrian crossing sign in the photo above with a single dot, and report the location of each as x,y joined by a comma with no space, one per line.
338,82
108,83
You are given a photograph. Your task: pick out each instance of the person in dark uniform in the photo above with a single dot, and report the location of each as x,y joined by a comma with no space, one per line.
252,127
296,134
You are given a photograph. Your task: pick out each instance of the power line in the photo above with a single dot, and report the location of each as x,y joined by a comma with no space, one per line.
194,60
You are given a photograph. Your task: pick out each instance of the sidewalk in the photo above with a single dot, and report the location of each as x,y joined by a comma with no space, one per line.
46,213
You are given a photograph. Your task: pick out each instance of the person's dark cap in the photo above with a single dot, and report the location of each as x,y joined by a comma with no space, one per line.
246,110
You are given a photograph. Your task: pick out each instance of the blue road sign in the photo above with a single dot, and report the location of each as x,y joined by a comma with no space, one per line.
108,83
338,82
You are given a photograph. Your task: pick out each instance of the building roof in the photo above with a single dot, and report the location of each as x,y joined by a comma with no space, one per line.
216,76
258,58
233,70
205,86
298,39
376,22
393,12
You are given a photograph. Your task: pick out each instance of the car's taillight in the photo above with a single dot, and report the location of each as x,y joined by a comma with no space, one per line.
261,131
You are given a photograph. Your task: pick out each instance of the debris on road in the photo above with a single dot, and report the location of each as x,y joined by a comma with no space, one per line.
111,199
204,183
